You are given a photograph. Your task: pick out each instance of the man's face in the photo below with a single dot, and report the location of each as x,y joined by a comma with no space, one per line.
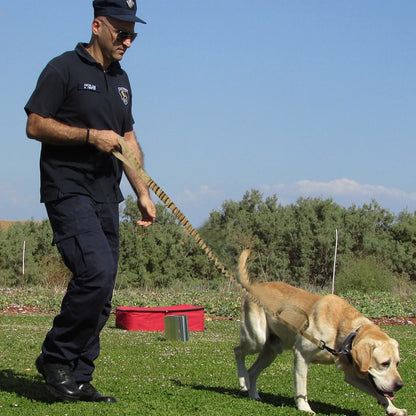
114,37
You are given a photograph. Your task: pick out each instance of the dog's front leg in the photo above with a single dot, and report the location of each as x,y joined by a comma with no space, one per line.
301,380
366,387
392,410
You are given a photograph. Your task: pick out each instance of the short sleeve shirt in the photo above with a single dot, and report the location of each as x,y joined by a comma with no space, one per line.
75,90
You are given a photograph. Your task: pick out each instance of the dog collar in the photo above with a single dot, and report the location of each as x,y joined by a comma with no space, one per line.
345,348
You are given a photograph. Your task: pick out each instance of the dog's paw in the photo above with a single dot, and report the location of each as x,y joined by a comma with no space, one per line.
303,405
397,412
310,411
242,383
243,387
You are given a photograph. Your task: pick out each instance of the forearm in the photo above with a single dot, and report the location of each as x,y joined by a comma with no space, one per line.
50,131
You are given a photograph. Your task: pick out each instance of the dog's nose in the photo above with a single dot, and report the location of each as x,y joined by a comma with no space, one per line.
398,385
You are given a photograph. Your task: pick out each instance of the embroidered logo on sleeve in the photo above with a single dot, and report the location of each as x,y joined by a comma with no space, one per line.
124,94
130,3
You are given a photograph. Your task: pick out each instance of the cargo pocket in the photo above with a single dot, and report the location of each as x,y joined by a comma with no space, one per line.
72,255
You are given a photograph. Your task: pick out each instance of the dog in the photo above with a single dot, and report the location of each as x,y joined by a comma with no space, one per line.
367,356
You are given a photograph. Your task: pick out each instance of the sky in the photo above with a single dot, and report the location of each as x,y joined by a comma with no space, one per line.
311,98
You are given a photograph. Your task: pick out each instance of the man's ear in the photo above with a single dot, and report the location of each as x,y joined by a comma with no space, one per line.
96,26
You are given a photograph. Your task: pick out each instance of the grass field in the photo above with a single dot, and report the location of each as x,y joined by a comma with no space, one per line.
150,376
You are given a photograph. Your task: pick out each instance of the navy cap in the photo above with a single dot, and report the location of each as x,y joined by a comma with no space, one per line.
118,9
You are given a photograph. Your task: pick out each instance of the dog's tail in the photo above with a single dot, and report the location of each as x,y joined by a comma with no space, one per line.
242,274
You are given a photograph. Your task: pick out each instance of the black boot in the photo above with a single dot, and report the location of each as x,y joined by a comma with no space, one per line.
59,380
88,393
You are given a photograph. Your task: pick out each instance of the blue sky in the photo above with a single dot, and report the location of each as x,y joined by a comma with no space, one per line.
293,98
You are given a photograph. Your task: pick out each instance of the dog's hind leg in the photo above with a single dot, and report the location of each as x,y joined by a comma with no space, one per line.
267,355
253,336
242,374
250,343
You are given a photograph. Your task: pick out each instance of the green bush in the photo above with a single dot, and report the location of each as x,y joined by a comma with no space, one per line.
380,304
292,243
367,275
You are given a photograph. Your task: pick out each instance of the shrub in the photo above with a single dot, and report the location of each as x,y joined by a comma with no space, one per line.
367,275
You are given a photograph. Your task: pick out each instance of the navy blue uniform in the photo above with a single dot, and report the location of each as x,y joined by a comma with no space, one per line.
73,89
80,188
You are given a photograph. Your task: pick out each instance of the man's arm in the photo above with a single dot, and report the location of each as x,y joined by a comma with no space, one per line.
50,131
146,205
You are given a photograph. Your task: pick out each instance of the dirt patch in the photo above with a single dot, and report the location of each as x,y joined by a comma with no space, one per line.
404,321
35,310
21,310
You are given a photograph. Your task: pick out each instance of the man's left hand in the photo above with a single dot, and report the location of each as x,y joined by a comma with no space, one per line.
148,210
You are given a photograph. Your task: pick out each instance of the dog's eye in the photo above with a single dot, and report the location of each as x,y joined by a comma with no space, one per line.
386,363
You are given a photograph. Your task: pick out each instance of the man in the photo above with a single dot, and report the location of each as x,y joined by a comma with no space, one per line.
79,109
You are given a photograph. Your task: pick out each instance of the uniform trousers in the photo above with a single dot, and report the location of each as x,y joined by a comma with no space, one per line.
86,234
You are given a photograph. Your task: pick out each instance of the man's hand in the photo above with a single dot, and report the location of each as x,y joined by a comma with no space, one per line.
105,140
148,210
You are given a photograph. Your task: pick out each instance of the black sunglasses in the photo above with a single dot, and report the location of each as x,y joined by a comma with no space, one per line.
121,35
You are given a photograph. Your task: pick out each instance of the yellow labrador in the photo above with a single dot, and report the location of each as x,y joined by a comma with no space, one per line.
367,356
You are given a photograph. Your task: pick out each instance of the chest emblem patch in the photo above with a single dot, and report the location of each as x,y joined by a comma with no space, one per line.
124,95
86,86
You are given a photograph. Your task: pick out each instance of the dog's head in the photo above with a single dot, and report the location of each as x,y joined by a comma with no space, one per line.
376,357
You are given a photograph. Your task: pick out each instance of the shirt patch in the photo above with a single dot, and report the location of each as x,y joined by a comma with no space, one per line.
86,86
124,94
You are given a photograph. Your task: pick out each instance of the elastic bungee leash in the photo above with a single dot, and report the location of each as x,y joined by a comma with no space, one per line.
126,156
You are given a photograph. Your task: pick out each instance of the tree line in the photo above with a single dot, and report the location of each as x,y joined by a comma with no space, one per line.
293,243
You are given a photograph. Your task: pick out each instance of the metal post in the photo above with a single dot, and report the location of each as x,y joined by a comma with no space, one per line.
335,261
23,257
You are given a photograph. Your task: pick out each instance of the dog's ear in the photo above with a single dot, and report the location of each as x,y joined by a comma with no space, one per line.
361,354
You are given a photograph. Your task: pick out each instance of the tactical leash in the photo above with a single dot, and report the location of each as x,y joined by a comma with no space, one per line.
126,156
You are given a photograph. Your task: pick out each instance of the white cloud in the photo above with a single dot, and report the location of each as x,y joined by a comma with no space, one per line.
345,192
201,195
198,204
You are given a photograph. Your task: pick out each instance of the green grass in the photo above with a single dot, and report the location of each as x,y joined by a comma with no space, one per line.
150,376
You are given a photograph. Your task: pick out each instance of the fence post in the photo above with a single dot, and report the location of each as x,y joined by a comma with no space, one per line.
23,257
335,261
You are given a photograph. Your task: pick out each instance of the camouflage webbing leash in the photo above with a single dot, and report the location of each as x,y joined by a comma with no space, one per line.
126,156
